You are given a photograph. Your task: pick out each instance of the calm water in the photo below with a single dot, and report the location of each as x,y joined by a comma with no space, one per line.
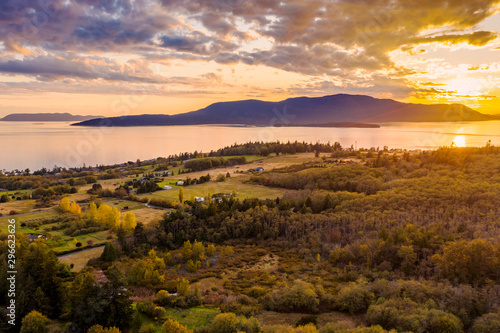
36,145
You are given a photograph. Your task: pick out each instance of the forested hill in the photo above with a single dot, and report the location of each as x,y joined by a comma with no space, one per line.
46,117
304,111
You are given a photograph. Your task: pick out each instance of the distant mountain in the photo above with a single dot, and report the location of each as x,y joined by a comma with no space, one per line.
304,111
46,117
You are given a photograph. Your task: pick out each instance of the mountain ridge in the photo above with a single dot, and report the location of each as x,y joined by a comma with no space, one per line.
340,108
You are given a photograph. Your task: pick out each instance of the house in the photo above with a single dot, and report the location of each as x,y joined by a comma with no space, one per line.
33,237
180,183
167,187
199,199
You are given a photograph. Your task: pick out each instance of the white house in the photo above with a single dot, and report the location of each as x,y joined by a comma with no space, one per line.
180,183
199,199
167,187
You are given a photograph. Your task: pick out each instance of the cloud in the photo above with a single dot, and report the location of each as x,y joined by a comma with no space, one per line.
196,43
50,68
347,42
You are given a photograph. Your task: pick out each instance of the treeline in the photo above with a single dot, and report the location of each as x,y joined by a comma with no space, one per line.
266,148
261,149
201,164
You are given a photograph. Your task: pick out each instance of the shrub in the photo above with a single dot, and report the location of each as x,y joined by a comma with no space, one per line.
171,326
488,323
35,322
355,298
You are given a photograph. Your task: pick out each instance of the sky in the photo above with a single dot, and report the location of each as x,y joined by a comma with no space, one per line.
119,57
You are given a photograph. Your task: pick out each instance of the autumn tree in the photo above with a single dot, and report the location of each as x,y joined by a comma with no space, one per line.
75,208
35,322
181,194
92,212
129,222
469,262
171,326
65,204
183,287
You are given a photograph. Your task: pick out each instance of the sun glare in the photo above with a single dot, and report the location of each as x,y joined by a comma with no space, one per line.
459,141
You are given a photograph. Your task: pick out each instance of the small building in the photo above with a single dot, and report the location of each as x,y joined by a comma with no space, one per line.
168,187
180,183
34,237
199,199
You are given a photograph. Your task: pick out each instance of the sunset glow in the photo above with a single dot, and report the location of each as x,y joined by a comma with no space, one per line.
460,141
88,56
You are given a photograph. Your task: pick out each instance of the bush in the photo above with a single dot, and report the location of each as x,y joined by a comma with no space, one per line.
147,328
307,320
147,308
35,322
171,326
229,323
488,323
406,315
355,298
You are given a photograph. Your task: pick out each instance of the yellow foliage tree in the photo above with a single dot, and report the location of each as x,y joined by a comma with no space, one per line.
65,204
129,221
183,287
102,214
75,208
92,212
114,218
171,326
181,194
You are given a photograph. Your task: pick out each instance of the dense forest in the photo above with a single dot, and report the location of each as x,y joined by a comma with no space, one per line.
399,242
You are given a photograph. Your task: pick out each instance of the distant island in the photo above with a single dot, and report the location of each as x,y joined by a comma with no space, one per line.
46,117
344,124
301,111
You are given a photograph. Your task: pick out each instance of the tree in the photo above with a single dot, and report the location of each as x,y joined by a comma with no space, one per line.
211,250
469,262
355,297
198,250
171,326
181,194
109,254
75,208
65,204
129,222
102,214
35,322
301,296
183,287
489,322
92,212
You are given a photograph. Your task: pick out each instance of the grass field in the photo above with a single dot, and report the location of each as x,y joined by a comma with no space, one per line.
232,184
193,317
278,318
80,259
33,217
22,206
148,215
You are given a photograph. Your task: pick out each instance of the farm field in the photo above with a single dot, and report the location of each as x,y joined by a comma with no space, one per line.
80,259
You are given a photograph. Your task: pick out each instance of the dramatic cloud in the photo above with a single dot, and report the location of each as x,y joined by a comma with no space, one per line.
392,48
